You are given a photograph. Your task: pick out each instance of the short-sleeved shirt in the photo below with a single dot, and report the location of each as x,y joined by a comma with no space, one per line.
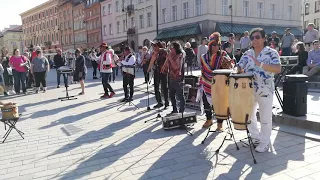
16,61
40,64
263,80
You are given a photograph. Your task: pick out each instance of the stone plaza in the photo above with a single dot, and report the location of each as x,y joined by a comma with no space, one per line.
88,138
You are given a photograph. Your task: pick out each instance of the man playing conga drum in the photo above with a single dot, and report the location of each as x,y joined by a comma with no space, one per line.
214,59
262,62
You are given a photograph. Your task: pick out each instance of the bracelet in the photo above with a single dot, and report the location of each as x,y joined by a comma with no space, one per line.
261,65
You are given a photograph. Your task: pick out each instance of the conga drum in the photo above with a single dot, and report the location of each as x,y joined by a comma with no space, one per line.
241,99
9,112
219,92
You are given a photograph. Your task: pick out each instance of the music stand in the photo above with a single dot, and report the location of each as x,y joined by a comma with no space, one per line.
67,72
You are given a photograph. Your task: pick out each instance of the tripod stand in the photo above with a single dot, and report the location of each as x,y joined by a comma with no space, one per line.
130,103
67,92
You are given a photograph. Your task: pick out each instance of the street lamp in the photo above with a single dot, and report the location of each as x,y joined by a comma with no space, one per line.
230,7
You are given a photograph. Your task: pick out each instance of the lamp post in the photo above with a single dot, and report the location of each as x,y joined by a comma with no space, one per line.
230,7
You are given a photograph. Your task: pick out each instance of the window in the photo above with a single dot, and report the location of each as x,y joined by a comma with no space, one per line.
149,21
110,29
185,10
316,23
141,21
306,9
225,7
164,15
118,26
133,23
246,8
109,8
317,6
140,1
260,9
174,13
273,11
198,7
290,13
124,25
117,6
104,10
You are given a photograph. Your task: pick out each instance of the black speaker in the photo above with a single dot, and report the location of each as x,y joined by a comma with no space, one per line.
295,105
295,88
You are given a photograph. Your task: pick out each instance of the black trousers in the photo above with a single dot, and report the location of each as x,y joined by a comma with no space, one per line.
208,109
128,79
40,77
163,79
145,72
94,66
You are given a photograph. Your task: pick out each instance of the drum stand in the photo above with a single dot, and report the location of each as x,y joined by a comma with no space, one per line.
249,138
67,94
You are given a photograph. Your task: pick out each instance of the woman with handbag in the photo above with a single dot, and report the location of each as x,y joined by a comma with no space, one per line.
39,68
7,72
80,70
20,68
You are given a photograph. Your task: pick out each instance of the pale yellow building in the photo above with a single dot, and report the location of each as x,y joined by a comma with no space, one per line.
40,26
12,39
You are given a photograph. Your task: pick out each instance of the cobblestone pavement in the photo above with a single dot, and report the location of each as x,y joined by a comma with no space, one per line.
88,138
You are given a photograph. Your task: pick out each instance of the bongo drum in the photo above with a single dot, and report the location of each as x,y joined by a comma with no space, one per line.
241,99
219,92
9,112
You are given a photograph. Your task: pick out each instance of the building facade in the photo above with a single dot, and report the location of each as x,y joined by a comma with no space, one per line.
40,26
65,12
93,22
310,13
189,20
128,22
80,32
12,39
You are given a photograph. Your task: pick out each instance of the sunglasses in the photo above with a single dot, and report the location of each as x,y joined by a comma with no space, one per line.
255,37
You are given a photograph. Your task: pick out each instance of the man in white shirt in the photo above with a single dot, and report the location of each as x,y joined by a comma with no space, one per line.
105,61
311,35
128,69
202,49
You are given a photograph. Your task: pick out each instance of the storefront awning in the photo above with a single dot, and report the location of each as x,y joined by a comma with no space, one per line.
181,31
240,28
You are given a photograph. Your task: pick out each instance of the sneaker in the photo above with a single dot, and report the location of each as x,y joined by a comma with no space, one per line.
262,148
207,124
112,94
130,99
105,96
58,86
95,78
37,91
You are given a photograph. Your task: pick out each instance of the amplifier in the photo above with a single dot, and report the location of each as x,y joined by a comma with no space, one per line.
176,120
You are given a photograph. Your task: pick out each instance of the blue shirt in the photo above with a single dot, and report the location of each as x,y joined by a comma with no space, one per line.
314,57
263,80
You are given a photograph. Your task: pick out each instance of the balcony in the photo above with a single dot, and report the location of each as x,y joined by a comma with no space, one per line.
130,9
131,31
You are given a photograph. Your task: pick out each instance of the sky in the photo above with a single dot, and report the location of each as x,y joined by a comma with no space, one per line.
10,10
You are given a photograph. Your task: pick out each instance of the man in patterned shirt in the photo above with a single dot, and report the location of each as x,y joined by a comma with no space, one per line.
263,62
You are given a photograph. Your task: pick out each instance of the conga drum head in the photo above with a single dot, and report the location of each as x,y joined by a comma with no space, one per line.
10,112
222,72
243,75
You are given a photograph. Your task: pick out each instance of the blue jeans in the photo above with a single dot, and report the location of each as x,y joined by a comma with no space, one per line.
19,77
286,51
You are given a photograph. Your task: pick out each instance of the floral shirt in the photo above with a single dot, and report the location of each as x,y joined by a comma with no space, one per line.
263,80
